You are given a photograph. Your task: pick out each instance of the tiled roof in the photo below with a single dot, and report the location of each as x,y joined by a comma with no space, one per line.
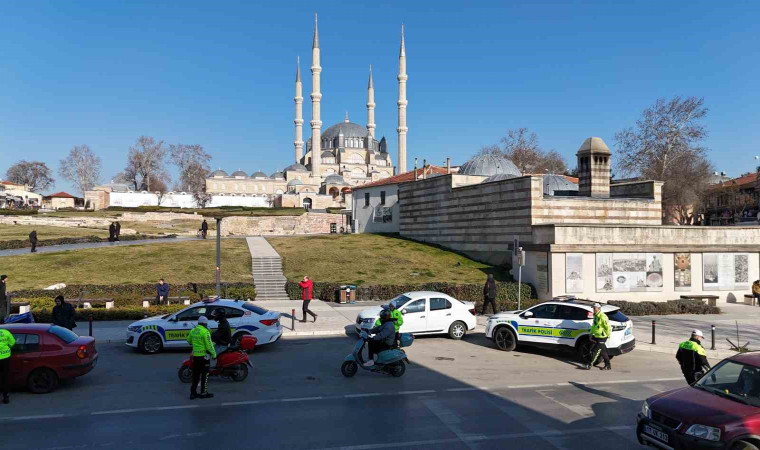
61,195
750,178
406,176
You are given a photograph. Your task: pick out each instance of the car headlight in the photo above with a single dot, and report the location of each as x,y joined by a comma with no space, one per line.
134,329
704,432
645,410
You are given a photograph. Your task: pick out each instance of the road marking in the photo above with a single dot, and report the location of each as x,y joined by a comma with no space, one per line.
118,411
426,391
166,408
467,389
47,416
300,399
246,402
371,394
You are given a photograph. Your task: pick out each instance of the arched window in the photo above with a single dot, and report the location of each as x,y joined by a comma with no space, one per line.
278,192
307,204
353,158
334,192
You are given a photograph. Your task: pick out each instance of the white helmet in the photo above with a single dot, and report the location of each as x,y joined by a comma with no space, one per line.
697,333
202,320
597,305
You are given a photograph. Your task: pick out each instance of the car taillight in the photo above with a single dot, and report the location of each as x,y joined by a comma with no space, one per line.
472,311
268,322
82,352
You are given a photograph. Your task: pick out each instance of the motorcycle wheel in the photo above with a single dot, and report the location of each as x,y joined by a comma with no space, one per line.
349,368
185,374
397,369
240,373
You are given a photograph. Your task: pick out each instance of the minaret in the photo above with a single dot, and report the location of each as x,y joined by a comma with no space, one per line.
370,106
299,114
402,129
316,98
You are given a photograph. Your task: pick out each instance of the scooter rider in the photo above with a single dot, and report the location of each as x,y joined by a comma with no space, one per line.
222,336
692,358
383,339
200,338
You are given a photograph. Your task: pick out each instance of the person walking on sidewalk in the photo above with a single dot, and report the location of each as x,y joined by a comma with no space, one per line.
306,286
33,240
203,350
6,344
117,229
692,357
489,294
111,232
4,306
204,229
600,332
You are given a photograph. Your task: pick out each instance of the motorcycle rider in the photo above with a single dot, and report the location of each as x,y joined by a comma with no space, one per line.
222,336
383,339
692,358
200,338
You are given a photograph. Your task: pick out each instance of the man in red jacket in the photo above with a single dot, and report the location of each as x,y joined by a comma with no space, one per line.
306,286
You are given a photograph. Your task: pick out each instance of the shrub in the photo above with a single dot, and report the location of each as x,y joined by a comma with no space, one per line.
130,313
506,293
18,212
17,243
681,306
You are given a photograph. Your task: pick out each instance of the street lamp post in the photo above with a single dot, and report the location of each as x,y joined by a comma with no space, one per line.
218,257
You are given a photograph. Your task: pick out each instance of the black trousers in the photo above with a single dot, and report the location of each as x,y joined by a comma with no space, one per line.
5,367
200,374
489,301
599,348
306,310
375,347
34,246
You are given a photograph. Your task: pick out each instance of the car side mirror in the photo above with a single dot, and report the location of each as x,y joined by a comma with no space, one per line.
403,312
527,314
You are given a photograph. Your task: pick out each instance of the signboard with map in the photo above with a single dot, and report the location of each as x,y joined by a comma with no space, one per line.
629,272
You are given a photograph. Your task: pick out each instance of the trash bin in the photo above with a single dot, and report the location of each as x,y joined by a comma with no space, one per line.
346,294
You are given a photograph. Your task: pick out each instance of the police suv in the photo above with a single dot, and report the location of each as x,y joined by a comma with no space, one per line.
170,331
560,324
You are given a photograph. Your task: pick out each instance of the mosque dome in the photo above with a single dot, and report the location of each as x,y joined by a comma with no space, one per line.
259,175
277,176
489,164
499,177
335,179
347,129
219,173
554,183
239,173
294,183
594,145
297,168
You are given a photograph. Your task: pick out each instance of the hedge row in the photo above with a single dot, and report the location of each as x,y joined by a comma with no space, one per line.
681,306
506,292
82,315
18,243
18,212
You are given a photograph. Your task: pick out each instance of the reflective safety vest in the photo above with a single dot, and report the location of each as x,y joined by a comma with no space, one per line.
200,338
693,346
397,317
6,343
601,326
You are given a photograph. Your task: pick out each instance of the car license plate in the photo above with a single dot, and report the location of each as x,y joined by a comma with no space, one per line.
656,433
628,331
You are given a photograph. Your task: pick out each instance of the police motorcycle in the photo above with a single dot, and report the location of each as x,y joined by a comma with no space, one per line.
391,361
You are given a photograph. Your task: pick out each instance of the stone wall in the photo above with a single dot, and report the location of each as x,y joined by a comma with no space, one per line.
309,223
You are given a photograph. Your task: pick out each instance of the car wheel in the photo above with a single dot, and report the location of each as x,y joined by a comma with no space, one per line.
457,330
505,339
398,369
349,368
42,381
150,343
185,374
744,445
584,351
240,373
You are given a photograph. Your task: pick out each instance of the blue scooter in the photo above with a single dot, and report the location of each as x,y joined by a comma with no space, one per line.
388,361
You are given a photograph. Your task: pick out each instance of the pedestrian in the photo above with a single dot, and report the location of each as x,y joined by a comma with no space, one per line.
306,286
692,357
6,344
4,307
203,350
162,292
117,229
600,332
64,314
111,232
489,294
204,229
33,240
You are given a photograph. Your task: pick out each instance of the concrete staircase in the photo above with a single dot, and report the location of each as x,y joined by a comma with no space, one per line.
267,270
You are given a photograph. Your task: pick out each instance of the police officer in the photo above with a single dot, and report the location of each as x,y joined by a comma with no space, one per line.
6,343
203,348
396,317
600,332
692,358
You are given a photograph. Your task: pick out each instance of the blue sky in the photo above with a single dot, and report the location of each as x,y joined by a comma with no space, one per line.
221,74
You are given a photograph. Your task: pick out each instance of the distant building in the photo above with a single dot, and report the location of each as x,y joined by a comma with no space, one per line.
19,196
61,200
734,201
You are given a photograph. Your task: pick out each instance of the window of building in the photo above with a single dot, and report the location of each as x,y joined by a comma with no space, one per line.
382,197
366,199
224,187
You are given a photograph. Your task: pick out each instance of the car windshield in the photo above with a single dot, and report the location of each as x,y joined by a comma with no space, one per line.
734,380
400,301
64,334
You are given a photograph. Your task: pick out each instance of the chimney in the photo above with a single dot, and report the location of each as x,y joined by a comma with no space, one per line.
448,165
424,167
415,169
594,168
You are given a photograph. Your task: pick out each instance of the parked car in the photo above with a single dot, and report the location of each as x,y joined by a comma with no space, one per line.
426,312
560,324
151,335
46,354
720,411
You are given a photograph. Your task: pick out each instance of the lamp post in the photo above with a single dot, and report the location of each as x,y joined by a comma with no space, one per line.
218,256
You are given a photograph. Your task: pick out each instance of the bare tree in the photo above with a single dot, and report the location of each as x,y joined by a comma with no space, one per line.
160,189
521,147
196,175
35,174
146,163
81,167
665,145
189,159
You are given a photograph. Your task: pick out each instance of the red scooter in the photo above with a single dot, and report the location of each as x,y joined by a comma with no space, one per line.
232,363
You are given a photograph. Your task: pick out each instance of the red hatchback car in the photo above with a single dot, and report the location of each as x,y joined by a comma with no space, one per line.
720,411
44,354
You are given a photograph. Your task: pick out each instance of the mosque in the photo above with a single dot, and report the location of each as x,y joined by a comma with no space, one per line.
349,154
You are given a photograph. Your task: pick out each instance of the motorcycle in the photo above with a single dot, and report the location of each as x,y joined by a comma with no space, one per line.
232,363
391,361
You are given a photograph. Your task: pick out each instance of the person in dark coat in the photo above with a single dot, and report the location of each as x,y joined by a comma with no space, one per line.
33,240
117,229
306,286
162,292
489,294
64,314
3,298
111,232
204,229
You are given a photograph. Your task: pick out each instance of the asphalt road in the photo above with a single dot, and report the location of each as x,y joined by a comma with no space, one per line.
455,395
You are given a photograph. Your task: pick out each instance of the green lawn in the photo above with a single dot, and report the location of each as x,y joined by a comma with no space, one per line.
21,232
370,259
181,262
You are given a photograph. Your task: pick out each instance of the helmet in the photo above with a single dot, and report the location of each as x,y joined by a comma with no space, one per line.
202,320
697,333
220,312
385,315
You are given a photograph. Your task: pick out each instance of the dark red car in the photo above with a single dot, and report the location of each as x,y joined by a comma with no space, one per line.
720,411
45,354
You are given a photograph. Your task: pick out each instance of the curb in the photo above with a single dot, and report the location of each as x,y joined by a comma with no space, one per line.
315,333
661,349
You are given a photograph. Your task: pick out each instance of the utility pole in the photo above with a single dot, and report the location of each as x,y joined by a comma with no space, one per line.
218,256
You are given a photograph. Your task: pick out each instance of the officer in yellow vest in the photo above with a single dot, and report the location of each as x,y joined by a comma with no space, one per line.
203,351
600,331
6,344
692,357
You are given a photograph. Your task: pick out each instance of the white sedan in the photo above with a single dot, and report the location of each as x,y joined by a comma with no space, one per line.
154,333
426,312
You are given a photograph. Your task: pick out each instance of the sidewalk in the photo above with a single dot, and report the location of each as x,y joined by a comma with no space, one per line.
64,247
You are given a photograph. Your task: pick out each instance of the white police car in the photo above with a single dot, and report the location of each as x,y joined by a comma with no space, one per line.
170,331
560,324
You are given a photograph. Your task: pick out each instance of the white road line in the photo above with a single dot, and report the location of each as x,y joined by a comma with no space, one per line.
166,408
426,391
118,411
301,399
247,402
467,389
47,416
370,394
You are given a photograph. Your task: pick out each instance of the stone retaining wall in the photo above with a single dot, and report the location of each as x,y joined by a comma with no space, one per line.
309,223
